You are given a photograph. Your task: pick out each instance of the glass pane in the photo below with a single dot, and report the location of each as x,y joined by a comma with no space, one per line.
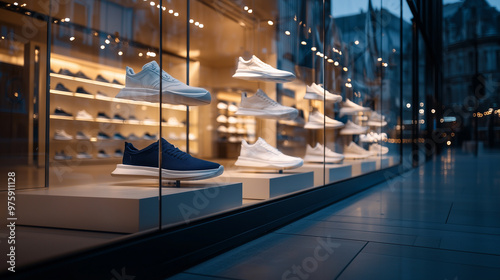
22,66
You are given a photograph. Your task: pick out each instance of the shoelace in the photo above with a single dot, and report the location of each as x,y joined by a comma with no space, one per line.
271,149
268,100
174,152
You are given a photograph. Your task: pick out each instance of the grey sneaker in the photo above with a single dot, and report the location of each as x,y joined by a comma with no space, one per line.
145,86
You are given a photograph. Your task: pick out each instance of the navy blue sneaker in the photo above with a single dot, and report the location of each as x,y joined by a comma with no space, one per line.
82,90
102,115
118,136
61,87
118,117
116,82
66,72
100,78
176,164
80,74
102,136
60,112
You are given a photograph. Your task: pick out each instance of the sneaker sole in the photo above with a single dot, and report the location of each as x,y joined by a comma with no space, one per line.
309,158
353,132
379,124
175,98
259,163
262,76
355,156
311,125
266,114
152,172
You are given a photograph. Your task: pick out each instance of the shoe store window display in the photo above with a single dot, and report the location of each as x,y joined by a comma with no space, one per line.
176,164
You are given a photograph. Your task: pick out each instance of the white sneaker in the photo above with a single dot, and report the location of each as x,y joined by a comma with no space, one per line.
172,136
233,139
241,130
222,119
351,108
232,107
263,155
222,129
367,138
318,121
352,128
145,86
316,154
232,120
377,149
376,119
173,121
255,69
260,105
83,115
83,155
148,121
222,106
317,92
354,151
231,129
80,135
60,134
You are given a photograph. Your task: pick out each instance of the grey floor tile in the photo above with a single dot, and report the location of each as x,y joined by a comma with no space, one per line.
383,267
278,256
475,218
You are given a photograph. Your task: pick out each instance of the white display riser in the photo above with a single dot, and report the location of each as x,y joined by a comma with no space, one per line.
362,166
259,184
123,208
334,172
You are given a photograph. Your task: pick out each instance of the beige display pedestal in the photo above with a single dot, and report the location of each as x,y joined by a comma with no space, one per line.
362,166
123,208
258,184
334,172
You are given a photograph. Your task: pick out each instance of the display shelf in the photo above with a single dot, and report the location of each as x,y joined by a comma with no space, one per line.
117,100
362,166
334,172
127,122
127,207
265,185
87,81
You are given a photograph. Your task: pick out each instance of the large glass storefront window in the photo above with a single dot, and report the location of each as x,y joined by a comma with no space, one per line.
238,102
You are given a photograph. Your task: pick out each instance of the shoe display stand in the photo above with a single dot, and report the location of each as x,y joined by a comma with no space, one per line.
139,118
259,184
333,172
363,166
124,207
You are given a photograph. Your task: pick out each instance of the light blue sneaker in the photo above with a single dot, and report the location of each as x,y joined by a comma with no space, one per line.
145,86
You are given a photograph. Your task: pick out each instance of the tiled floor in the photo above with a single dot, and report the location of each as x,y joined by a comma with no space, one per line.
440,221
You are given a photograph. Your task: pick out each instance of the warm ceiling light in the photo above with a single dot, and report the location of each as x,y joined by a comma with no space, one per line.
201,25
250,11
67,19
140,54
170,11
196,23
336,63
313,49
102,47
71,38
152,3
330,60
245,8
356,42
107,41
303,43
120,53
191,20
176,14
270,22
379,59
345,69
287,33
